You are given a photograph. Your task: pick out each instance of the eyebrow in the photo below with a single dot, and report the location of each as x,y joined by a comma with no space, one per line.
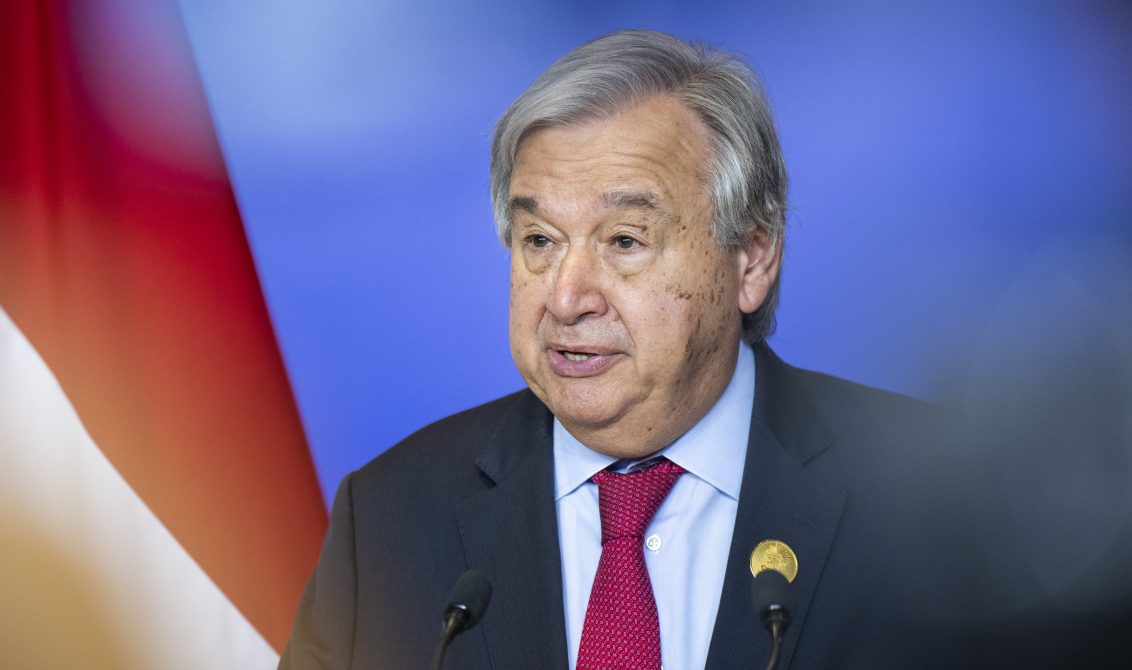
609,200
524,203
629,200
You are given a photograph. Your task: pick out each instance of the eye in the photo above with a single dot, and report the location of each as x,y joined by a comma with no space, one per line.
625,242
537,241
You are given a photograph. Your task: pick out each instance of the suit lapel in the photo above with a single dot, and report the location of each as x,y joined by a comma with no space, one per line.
510,533
779,500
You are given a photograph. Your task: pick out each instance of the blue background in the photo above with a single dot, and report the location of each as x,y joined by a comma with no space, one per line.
936,149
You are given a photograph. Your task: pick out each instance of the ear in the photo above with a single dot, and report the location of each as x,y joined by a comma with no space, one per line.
758,262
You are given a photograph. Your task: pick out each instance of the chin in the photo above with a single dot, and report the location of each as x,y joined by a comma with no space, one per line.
587,415
585,409
587,403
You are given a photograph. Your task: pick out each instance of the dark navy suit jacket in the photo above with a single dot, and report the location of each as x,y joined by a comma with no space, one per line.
829,467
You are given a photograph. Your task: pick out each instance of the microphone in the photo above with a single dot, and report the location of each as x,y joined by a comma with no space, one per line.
469,600
773,598
774,602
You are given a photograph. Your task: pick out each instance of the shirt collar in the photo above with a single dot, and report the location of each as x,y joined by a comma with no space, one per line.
714,449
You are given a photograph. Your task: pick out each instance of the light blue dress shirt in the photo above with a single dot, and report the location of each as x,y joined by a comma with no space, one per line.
688,539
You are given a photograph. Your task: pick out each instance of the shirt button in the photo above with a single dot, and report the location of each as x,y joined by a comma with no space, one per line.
653,543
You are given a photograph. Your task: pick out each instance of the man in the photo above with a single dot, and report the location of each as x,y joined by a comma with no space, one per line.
640,188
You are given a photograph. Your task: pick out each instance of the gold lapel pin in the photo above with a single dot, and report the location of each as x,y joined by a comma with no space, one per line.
774,555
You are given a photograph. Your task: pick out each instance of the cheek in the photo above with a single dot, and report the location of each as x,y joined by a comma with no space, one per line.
695,290
658,316
520,331
699,307
527,303
520,283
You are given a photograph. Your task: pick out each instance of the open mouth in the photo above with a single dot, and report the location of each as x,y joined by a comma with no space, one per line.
576,355
569,363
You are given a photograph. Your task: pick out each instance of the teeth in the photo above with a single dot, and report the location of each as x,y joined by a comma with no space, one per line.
571,356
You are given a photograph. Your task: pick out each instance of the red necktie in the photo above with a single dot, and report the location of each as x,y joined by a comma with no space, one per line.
621,630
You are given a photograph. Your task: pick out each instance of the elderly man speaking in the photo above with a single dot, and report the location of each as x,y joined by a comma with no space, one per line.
614,504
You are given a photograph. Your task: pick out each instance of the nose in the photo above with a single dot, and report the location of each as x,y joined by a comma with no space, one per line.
576,289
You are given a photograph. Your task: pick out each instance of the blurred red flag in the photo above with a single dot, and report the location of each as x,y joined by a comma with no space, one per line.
124,263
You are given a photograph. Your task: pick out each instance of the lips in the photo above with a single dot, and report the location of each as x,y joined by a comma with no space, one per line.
579,362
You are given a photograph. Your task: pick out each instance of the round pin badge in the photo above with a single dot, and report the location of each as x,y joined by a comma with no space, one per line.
774,555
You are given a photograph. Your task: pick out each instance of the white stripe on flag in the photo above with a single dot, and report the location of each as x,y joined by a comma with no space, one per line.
89,577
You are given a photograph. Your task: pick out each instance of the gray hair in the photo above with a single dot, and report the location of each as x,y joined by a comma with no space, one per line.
614,72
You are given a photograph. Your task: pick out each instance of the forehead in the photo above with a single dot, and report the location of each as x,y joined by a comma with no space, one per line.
657,150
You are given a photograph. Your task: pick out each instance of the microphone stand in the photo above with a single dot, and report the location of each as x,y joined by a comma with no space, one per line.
454,622
776,622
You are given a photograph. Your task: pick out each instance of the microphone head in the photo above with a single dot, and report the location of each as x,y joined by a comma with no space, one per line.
772,597
471,595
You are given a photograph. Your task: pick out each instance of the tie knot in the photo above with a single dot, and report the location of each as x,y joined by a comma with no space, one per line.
629,501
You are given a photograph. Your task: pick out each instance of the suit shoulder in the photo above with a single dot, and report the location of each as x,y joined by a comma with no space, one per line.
856,397
848,411
451,442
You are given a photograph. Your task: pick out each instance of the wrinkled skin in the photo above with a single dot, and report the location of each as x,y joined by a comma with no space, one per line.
625,313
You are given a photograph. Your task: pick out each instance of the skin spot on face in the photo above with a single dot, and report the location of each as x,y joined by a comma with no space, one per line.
690,350
678,292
